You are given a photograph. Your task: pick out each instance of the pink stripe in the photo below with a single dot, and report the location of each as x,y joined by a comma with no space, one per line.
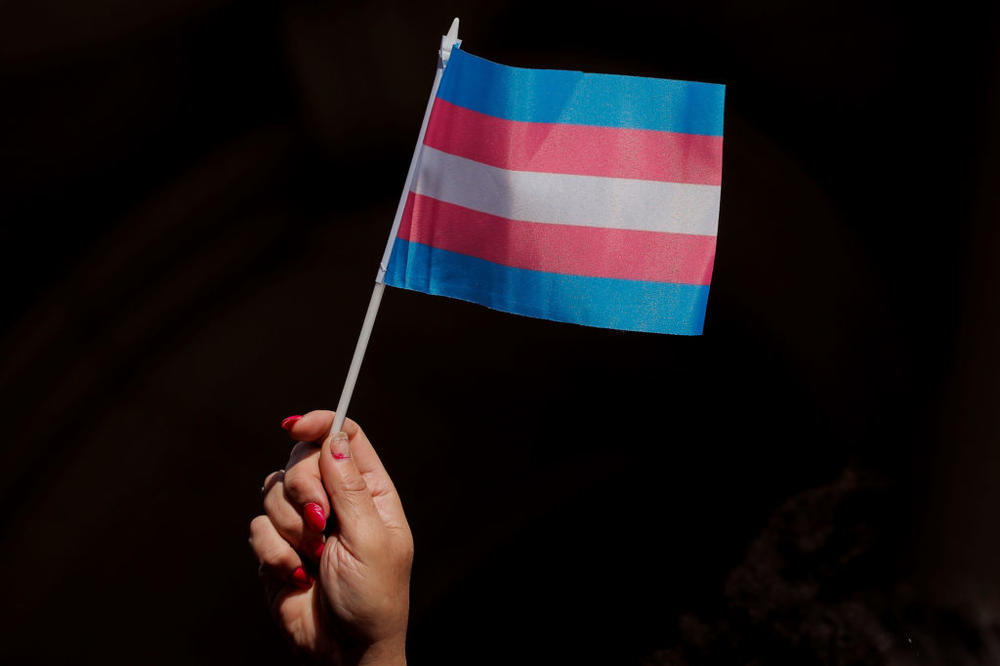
575,149
559,248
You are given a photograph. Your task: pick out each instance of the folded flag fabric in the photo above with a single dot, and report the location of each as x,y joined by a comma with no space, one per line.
583,198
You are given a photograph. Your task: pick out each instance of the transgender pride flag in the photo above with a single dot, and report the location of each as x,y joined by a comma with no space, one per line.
583,198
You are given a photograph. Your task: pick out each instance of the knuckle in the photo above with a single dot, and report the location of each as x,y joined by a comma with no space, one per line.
297,486
272,552
259,530
258,526
272,557
272,503
354,483
270,481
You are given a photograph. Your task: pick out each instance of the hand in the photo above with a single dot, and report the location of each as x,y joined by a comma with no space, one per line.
353,608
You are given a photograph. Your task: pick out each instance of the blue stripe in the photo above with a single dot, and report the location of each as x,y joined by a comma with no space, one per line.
631,305
559,96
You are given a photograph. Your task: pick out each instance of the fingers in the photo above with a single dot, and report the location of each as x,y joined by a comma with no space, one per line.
287,518
304,488
315,427
349,494
280,565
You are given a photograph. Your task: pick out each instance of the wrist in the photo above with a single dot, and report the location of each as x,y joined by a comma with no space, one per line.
386,652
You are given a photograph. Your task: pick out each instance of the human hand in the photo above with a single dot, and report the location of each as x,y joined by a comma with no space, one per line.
353,608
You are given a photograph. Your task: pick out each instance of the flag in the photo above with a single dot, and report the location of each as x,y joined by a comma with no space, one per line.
583,198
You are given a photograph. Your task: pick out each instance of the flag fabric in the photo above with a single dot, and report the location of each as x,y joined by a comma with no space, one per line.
583,198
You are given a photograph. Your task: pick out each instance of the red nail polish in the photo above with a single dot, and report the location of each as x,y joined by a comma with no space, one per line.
314,516
300,577
318,550
290,421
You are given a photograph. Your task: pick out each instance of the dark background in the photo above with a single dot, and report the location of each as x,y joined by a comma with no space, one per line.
195,196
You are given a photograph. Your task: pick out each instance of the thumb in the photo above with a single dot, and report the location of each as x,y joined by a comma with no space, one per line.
349,494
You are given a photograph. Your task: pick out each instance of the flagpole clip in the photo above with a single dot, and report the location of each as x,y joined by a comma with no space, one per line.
447,42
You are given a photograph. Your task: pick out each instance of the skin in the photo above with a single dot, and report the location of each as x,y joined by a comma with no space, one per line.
352,606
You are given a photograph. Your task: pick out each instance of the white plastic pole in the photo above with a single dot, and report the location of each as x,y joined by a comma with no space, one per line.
447,42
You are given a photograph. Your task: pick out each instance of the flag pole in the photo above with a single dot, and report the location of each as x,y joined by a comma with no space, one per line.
447,42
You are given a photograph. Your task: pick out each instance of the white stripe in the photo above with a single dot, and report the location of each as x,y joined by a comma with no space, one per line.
585,201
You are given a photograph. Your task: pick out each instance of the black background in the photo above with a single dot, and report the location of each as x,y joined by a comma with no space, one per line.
195,196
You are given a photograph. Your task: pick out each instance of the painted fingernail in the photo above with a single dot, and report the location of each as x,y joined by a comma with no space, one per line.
317,550
314,516
290,421
340,446
300,577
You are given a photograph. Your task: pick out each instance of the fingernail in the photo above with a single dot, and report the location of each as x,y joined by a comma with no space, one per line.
290,421
340,446
300,577
317,550
314,516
